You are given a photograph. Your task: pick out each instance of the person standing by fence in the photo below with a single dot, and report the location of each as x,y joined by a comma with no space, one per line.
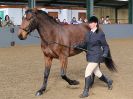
0,22
7,22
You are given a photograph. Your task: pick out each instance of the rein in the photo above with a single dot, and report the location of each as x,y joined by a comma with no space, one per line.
53,42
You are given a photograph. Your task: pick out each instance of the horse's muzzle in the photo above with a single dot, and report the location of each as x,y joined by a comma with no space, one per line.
20,36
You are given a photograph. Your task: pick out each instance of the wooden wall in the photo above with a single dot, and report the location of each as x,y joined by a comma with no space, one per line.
123,15
106,11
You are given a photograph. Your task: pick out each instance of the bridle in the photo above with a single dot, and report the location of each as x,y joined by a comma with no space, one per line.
28,28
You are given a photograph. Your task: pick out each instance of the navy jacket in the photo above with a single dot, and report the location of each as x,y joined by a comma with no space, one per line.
96,46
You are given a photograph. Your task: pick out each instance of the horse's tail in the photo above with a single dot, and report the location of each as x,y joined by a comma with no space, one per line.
110,63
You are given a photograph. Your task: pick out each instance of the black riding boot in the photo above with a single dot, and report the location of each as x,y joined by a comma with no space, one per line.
93,78
88,82
107,81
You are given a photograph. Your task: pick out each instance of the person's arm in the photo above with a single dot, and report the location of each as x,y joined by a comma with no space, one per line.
4,23
82,45
104,45
12,23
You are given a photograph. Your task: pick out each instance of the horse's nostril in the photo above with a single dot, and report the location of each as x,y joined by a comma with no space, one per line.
20,37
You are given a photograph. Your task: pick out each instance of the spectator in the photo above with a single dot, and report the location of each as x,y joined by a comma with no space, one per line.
7,22
57,19
0,22
85,20
80,20
64,22
107,20
74,21
118,22
101,21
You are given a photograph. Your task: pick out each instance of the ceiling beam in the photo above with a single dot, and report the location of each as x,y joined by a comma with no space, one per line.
78,3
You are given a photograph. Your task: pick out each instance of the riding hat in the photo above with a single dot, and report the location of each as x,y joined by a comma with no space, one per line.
93,19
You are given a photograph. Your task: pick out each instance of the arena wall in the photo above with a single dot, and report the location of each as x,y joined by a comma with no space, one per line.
111,31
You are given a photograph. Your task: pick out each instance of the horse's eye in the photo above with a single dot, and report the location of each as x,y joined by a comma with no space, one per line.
27,19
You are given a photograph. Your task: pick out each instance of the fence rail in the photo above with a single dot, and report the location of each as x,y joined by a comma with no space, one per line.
7,38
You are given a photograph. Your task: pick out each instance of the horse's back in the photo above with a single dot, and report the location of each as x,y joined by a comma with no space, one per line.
74,34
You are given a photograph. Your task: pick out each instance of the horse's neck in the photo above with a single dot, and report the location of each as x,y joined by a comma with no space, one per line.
47,30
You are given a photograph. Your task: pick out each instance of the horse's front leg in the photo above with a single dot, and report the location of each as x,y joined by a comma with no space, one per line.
64,61
48,62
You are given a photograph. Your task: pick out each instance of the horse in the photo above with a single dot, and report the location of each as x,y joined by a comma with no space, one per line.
57,41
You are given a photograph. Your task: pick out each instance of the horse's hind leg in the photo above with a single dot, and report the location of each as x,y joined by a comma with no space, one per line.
64,61
48,62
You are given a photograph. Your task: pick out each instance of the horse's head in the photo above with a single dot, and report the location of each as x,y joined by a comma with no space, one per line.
28,24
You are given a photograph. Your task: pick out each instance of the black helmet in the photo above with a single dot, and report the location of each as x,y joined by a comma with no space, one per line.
93,19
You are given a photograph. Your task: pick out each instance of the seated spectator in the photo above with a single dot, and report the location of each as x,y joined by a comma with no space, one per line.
80,20
74,21
107,20
57,19
101,21
0,22
7,22
85,20
64,22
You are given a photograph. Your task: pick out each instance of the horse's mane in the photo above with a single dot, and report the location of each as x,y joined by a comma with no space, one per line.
41,12
47,17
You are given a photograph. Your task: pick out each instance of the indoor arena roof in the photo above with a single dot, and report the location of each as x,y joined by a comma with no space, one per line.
65,3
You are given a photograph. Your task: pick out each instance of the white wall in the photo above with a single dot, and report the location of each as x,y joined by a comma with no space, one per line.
5,11
15,15
63,14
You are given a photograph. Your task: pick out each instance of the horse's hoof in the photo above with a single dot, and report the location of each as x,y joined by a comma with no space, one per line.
83,96
110,86
74,82
39,93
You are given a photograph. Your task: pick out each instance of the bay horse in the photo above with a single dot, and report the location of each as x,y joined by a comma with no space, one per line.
56,41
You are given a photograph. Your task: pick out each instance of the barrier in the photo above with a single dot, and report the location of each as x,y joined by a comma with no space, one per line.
8,39
118,30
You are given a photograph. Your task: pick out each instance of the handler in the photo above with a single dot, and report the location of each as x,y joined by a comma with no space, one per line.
97,52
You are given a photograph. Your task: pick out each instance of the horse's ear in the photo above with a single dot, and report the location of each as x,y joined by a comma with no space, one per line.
34,10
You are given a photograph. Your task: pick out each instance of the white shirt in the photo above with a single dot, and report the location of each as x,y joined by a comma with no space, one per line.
93,30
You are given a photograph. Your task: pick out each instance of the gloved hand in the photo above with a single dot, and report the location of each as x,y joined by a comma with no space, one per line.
104,55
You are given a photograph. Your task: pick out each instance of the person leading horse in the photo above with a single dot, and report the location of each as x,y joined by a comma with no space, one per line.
97,52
